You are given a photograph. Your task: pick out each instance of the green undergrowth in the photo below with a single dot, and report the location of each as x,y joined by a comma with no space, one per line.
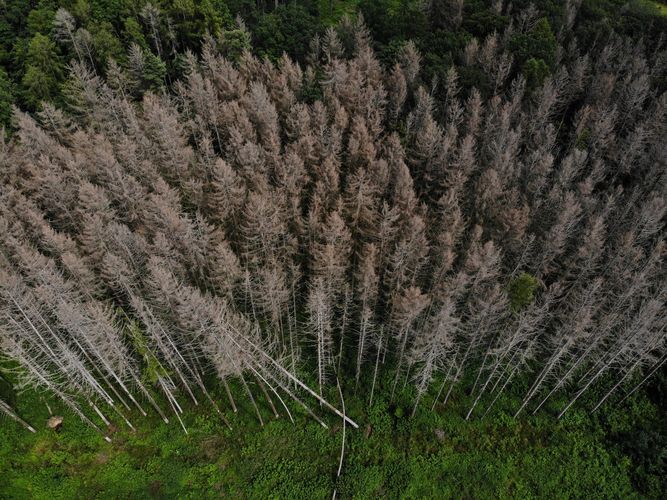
436,454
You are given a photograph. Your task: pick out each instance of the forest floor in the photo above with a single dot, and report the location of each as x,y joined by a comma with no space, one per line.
618,453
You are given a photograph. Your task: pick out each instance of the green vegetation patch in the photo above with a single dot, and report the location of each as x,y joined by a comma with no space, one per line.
433,455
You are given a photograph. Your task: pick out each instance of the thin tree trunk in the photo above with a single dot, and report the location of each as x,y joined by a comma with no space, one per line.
360,348
289,414
483,388
655,369
229,395
625,375
375,372
150,399
507,381
540,378
342,449
268,398
343,328
481,368
252,399
404,343
298,382
7,410
99,413
449,370
173,403
304,405
459,369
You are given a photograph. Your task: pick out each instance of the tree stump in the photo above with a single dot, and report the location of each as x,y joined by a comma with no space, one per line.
55,423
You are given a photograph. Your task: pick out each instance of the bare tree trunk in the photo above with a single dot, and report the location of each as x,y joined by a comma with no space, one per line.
360,348
268,398
342,449
173,403
375,372
343,327
459,369
583,389
295,398
655,369
507,381
449,370
298,382
150,399
481,368
404,342
229,395
289,414
489,378
563,379
99,413
616,385
6,409
540,378
252,399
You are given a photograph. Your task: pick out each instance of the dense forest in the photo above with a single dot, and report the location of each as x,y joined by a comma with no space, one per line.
429,210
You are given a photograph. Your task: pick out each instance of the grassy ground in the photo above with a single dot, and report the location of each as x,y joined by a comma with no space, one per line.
434,455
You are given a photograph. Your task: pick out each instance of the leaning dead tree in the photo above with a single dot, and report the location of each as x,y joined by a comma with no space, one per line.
8,411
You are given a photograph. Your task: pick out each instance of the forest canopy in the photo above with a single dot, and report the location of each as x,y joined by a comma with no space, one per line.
421,197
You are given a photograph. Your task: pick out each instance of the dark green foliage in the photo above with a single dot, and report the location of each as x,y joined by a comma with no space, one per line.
133,32
438,48
583,139
192,19
390,19
233,42
597,19
289,27
7,392
152,368
105,42
535,71
472,76
647,448
538,43
483,21
43,71
40,20
521,291
310,91
6,99
155,70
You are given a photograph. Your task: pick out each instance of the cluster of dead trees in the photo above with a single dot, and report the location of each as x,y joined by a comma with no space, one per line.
265,221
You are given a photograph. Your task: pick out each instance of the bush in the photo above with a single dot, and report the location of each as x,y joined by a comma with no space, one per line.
521,291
